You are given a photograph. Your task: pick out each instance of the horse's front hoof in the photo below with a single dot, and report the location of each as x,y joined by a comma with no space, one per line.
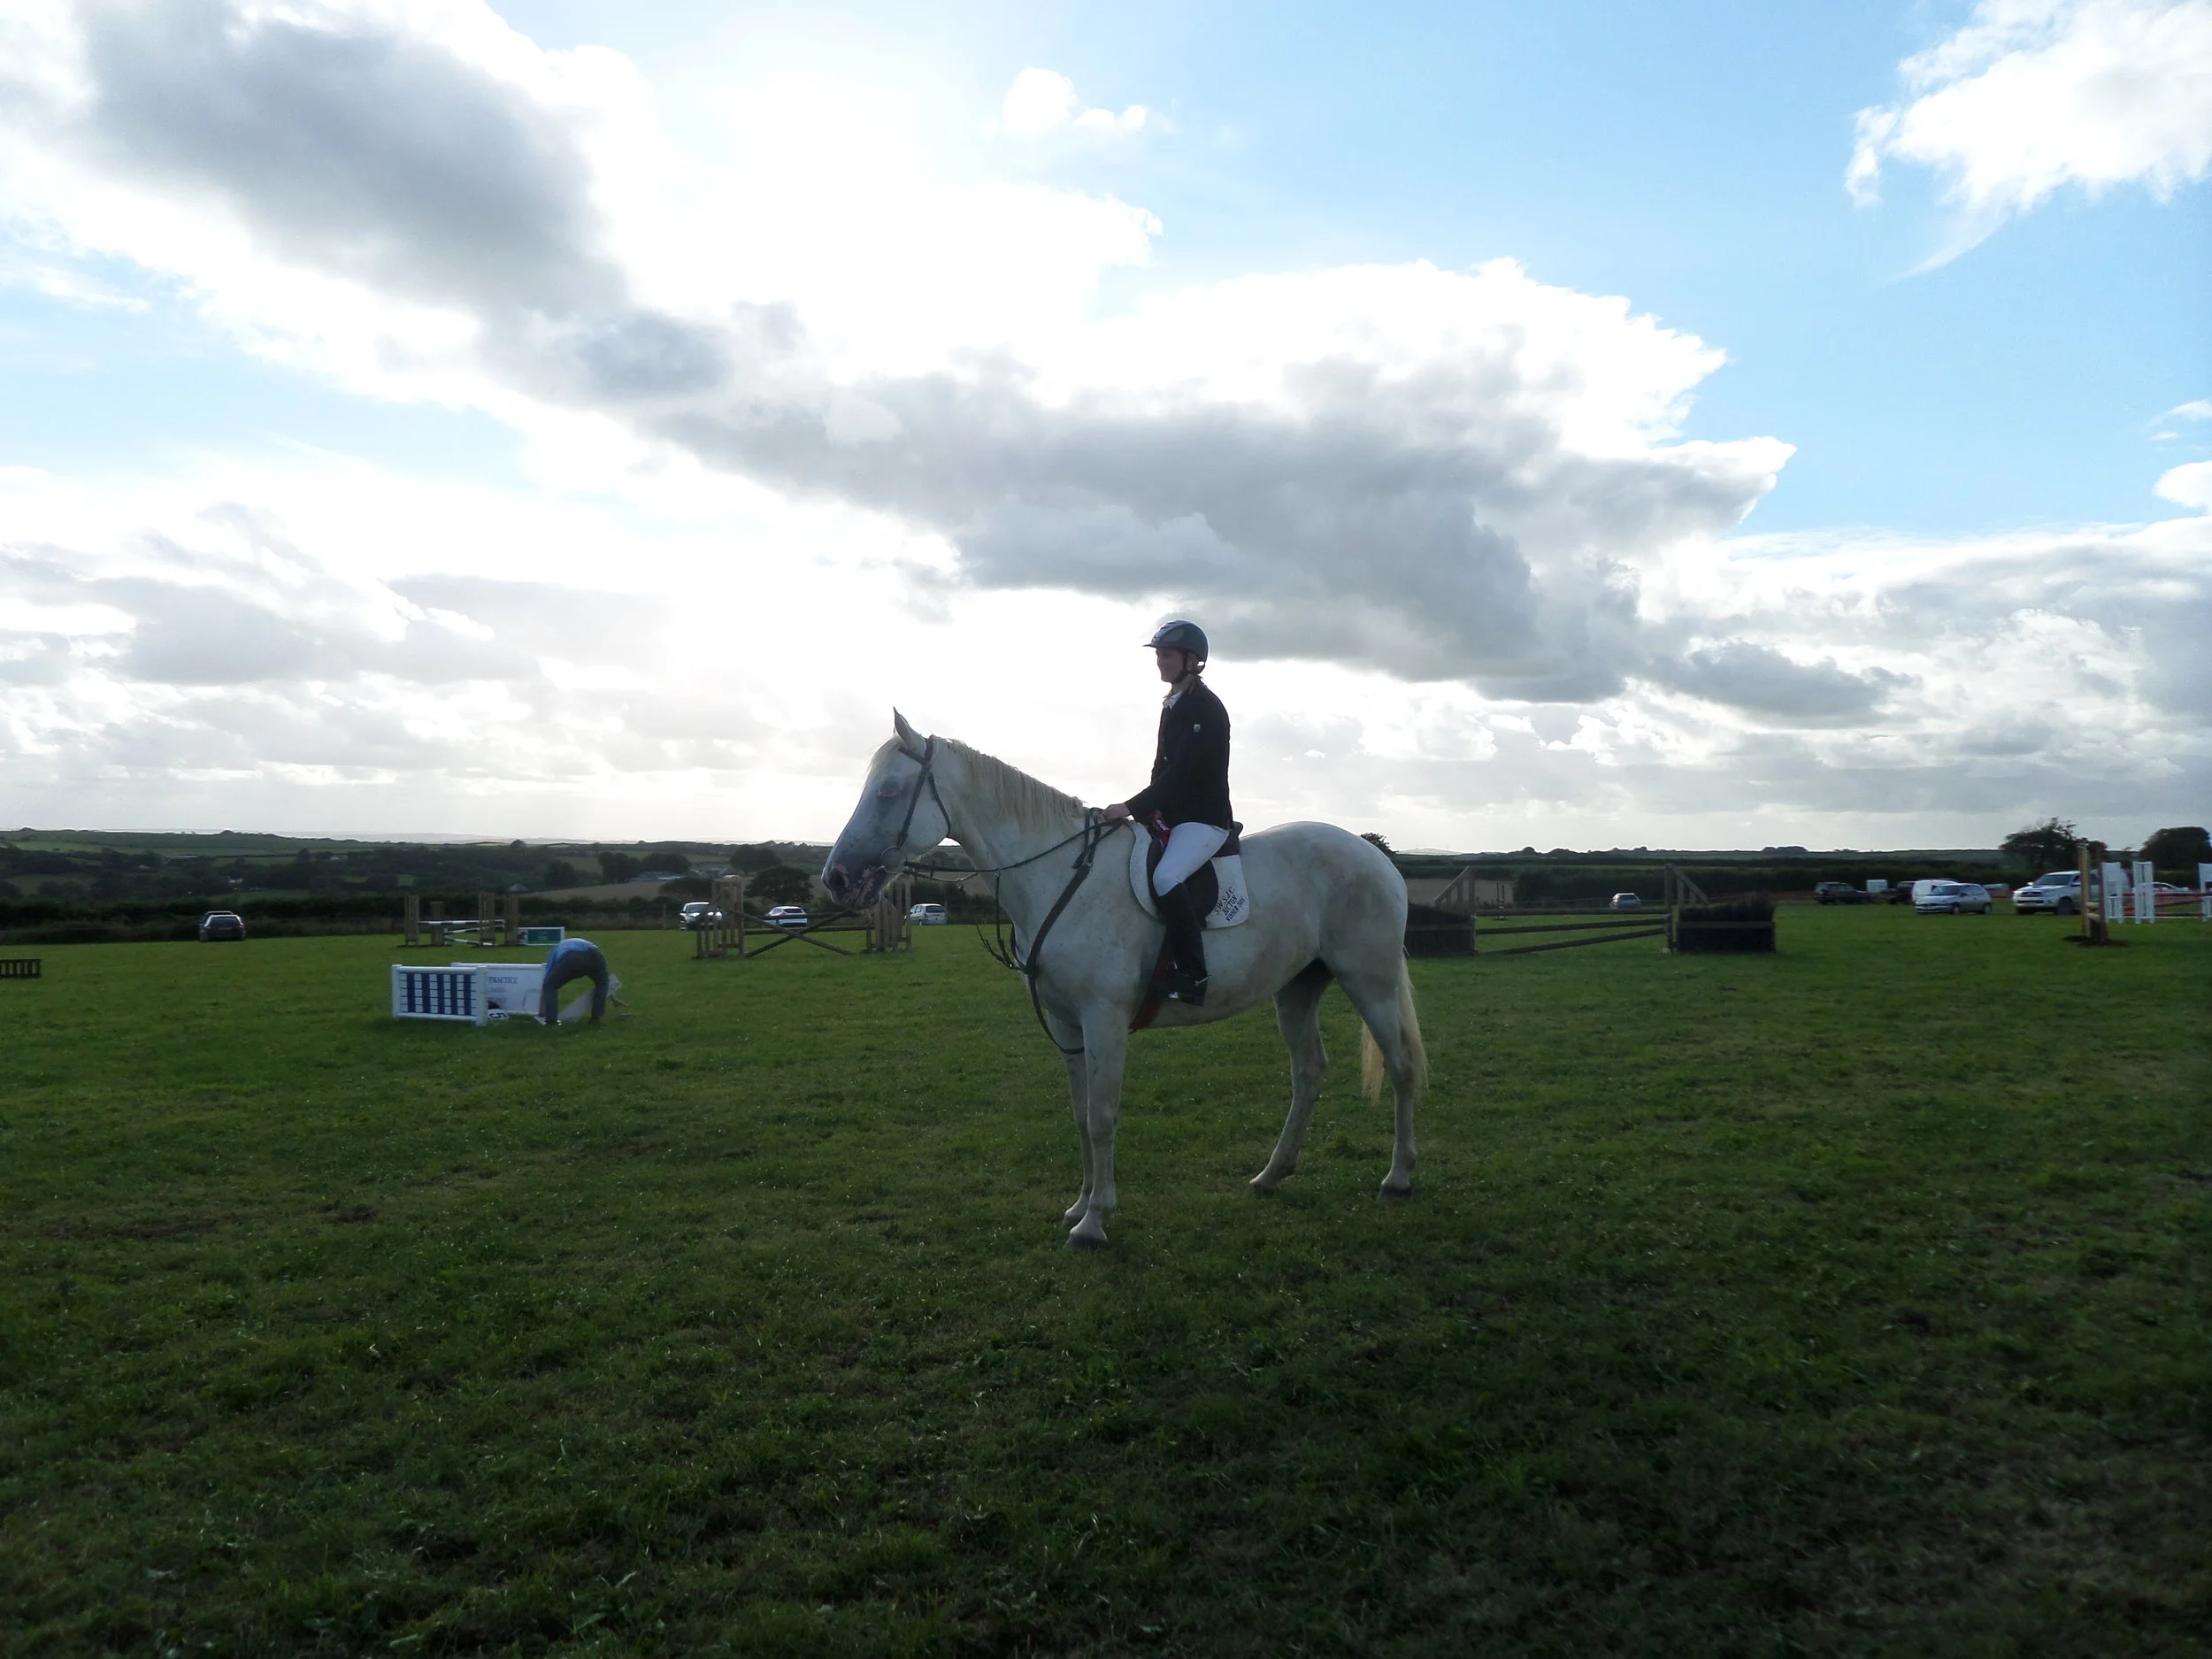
1266,1184
1396,1188
1088,1235
1072,1214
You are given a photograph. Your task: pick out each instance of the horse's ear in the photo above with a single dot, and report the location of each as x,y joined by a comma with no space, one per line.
909,739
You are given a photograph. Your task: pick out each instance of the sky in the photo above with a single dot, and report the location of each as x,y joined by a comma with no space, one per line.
1586,425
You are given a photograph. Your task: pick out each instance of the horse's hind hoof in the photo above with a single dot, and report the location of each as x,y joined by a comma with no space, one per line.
1394,1189
1081,1241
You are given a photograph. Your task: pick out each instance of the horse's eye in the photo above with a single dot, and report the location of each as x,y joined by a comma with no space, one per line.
888,790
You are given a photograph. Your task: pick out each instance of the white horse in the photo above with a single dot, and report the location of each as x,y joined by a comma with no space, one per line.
1324,904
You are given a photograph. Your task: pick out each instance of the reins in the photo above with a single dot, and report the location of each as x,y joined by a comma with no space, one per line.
1094,830
997,870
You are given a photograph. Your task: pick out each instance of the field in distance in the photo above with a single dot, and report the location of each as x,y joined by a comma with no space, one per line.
1847,1299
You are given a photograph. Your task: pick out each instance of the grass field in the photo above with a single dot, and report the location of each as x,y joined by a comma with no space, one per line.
1848,1301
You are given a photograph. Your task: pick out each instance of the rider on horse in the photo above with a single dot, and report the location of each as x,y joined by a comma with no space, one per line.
1188,794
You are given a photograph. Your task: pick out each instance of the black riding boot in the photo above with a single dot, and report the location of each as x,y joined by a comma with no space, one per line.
1184,930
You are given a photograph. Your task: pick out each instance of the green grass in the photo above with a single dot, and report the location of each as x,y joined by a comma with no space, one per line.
1848,1301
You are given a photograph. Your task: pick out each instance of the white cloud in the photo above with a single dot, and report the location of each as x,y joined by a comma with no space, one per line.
2189,485
318,645
1042,104
1447,475
2033,96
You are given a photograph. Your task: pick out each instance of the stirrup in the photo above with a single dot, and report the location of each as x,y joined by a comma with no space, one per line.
1188,991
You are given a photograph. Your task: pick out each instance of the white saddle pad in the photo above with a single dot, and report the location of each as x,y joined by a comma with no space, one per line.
1232,907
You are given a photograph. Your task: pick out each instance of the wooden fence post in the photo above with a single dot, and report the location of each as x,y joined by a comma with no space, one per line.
411,917
2091,858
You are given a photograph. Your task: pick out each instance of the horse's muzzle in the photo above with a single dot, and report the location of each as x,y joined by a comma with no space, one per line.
856,892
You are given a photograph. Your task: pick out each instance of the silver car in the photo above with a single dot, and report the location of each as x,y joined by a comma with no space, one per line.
2057,894
1953,898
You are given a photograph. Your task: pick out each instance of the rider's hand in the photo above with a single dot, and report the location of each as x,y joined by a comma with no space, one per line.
1117,813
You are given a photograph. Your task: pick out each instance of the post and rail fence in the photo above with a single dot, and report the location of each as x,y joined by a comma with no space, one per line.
724,930
1457,923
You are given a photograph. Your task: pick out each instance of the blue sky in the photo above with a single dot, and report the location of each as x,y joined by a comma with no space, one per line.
1976,391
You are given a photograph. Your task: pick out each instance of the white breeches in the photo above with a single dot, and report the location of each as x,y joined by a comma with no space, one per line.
1188,845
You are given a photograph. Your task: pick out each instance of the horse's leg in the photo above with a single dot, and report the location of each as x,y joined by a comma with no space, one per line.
1071,1038
1384,997
1105,1048
1298,1017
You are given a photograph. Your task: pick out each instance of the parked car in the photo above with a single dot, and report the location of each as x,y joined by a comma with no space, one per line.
926,915
1842,893
695,914
1952,898
2057,894
788,915
1626,901
222,924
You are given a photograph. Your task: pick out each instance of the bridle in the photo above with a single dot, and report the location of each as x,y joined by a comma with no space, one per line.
928,758
1094,830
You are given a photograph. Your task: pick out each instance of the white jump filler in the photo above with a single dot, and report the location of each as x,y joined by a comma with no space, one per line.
448,993
476,993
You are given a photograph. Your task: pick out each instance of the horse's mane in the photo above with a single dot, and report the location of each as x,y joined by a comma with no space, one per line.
1036,807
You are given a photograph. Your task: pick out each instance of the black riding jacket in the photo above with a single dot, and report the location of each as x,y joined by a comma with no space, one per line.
1190,770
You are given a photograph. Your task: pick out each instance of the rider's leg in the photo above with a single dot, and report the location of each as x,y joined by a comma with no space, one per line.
1186,944
1188,845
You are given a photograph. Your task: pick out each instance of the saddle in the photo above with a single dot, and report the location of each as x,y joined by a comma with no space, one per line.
1217,887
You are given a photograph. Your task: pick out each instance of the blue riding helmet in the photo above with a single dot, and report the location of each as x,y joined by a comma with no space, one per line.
1179,636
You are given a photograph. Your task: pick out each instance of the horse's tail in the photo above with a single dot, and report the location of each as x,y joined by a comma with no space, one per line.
1372,1071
